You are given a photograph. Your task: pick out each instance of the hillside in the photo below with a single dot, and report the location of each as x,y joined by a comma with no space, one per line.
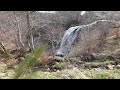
94,54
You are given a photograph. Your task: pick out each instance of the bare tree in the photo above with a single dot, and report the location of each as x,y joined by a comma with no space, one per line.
18,37
30,33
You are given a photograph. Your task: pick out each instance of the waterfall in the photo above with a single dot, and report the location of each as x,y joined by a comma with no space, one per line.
70,35
67,40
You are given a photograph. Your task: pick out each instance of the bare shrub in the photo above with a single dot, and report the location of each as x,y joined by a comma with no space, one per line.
91,39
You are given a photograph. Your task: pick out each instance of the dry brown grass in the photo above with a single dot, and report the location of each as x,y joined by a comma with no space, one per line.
45,59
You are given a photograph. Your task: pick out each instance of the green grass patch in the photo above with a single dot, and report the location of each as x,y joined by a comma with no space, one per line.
99,63
74,74
59,65
104,75
40,75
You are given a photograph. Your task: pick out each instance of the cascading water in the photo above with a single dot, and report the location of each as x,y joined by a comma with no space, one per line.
70,35
67,40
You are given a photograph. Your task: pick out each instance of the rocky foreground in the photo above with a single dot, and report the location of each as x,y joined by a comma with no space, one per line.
67,70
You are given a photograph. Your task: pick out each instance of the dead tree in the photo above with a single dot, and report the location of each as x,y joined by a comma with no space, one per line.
30,33
18,37
3,51
3,48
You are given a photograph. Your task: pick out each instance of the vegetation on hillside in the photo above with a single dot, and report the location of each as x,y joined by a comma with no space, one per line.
29,41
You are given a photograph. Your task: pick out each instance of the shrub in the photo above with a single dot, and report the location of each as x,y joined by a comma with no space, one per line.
29,61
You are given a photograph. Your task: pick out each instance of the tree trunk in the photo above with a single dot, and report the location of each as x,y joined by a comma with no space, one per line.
30,35
16,41
2,46
19,41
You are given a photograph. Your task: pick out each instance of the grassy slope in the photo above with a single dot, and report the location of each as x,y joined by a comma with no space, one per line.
75,73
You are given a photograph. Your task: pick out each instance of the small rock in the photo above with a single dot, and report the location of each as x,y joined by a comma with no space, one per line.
58,71
97,69
76,69
110,67
2,74
47,73
59,58
118,66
